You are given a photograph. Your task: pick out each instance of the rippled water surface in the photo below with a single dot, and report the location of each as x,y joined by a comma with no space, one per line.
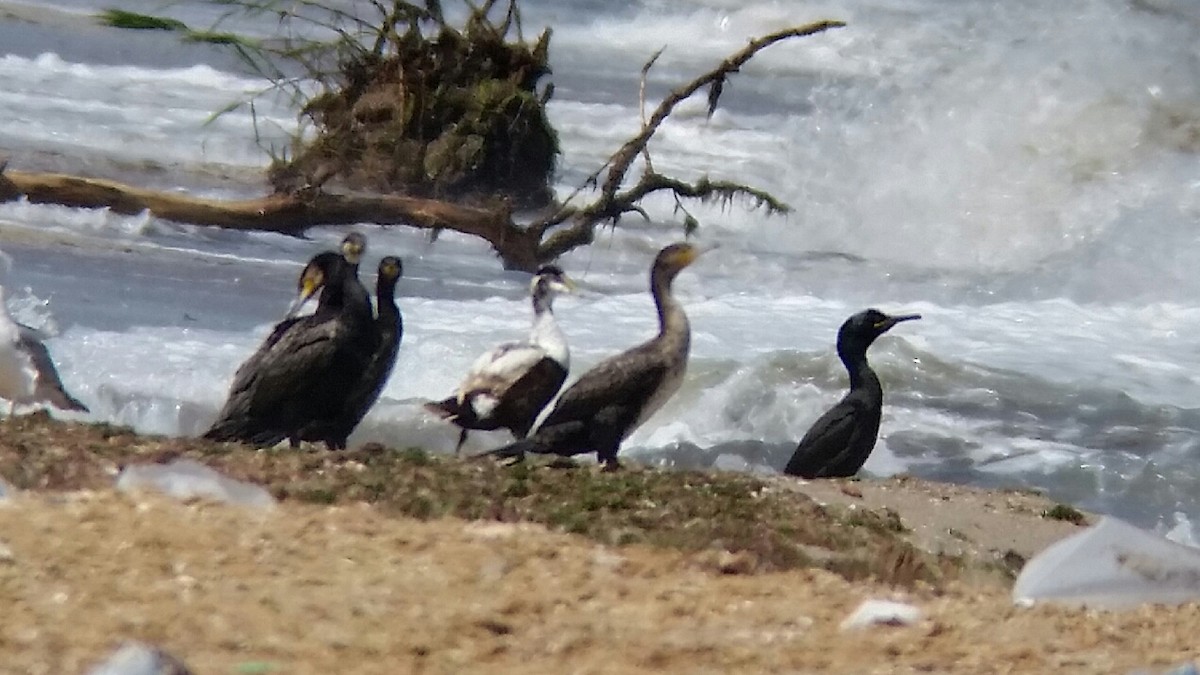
1023,174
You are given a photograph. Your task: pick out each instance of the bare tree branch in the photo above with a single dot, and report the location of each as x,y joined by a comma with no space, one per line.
585,220
619,164
642,103
611,203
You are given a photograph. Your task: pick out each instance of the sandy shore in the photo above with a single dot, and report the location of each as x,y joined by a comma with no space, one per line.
304,588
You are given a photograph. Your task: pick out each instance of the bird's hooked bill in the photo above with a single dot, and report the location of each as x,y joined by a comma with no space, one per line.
308,288
888,321
893,320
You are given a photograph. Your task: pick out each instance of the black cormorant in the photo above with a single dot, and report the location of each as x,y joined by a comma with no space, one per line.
353,246
509,385
840,441
389,329
302,373
27,374
610,401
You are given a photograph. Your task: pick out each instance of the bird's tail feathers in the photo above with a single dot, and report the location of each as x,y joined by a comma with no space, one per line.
230,431
220,434
564,438
448,409
48,388
516,450
64,401
74,404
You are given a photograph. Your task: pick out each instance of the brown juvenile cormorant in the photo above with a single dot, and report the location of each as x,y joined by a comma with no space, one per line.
840,441
389,329
27,374
610,401
302,373
508,386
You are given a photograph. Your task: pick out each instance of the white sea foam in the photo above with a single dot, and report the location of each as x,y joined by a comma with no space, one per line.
1025,180
136,113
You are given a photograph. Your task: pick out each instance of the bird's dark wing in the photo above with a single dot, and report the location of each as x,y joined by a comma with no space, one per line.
292,356
521,403
388,332
830,439
625,381
595,413
600,409
251,366
49,385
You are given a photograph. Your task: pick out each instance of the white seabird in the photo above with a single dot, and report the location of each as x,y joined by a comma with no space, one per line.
27,374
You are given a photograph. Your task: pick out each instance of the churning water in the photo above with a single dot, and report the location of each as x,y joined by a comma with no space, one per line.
1024,174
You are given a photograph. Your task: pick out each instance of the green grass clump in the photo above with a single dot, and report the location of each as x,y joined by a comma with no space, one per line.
1066,513
219,38
119,18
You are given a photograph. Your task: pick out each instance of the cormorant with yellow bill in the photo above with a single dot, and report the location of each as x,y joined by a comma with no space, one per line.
299,378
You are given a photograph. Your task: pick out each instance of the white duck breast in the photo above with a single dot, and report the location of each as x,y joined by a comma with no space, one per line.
497,370
509,385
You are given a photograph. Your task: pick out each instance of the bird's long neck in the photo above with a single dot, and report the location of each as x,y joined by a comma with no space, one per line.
672,321
854,357
344,295
385,304
333,294
545,332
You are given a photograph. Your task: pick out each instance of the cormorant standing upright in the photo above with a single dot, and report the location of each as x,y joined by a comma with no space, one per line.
509,385
610,401
301,374
840,441
389,330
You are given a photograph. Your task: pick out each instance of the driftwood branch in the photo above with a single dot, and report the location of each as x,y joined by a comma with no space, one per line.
290,214
519,247
581,229
612,202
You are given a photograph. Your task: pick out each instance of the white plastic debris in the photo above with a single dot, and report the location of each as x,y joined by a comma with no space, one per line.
135,658
189,479
6,490
1185,669
882,612
1182,532
1111,565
